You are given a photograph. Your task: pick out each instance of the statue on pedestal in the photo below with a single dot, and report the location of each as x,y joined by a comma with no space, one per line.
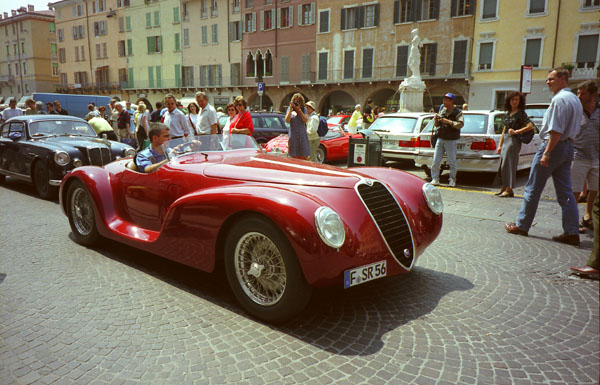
414,55
412,88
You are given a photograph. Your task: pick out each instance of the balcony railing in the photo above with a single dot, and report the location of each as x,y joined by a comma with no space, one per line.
7,78
582,71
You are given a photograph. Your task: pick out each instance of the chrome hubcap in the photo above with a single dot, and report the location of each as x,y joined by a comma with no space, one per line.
82,212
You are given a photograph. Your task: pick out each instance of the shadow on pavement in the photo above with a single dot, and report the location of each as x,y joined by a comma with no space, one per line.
21,187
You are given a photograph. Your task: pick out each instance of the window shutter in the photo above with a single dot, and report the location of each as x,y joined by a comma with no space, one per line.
177,42
361,17
158,76
396,12
587,48
291,8
262,20
432,59
219,75
343,23
156,18
74,33
278,18
377,14
177,75
312,13
300,14
402,60
436,9
128,23
460,57
130,78
453,8
129,47
148,20
254,21
415,10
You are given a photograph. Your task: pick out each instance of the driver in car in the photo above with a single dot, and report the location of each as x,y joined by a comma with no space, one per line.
153,157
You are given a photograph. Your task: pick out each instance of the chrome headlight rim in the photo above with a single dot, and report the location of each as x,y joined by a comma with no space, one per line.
433,197
77,162
61,158
129,152
323,215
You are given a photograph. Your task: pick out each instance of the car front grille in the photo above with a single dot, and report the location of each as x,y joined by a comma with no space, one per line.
98,156
390,220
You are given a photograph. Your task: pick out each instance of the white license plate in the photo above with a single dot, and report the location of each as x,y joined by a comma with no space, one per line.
460,146
390,142
364,274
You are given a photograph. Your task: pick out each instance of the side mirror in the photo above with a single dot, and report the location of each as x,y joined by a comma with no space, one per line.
14,136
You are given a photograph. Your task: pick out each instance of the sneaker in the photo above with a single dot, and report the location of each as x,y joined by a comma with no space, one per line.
452,182
435,182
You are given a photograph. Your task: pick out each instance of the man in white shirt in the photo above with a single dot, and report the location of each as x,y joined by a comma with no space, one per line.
207,121
11,111
178,123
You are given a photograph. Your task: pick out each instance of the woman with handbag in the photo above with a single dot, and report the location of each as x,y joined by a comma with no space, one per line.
518,129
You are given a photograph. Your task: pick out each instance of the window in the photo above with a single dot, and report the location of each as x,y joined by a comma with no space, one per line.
536,6
185,10
406,11
123,77
459,61
80,77
250,70
428,58
158,70
306,14
62,57
52,27
371,15
61,35
235,31
532,52
489,9
177,41
203,11
99,28
249,3
98,51
204,34
462,7
187,76
63,79
210,75
54,69
323,64
121,24
285,16
156,18
349,64
98,6
587,51
24,68
236,6
486,51
129,47
590,3
306,68
213,8
267,20
285,69
83,51
367,63
268,64
154,44
349,18
78,32
176,15
214,33
148,20
186,37
235,72
250,22
121,47
76,54
78,10
429,9
53,48
360,17
324,21
128,23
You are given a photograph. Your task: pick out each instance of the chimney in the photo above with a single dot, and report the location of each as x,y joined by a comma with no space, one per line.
6,15
30,7
13,12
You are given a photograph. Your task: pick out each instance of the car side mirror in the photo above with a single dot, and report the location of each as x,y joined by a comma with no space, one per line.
14,136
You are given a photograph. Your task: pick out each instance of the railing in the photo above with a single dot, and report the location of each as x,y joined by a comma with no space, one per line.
583,70
7,78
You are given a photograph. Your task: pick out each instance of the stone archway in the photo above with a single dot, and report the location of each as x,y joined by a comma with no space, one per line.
337,102
385,97
254,102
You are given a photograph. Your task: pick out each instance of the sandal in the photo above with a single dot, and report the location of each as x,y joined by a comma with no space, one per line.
588,223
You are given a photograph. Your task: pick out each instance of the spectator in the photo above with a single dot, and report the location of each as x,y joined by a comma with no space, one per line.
312,129
368,117
132,124
102,113
193,110
242,122
113,114
122,121
155,115
226,130
153,157
297,116
39,108
142,119
449,121
553,159
11,111
58,108
30,103
207,121
102,127
178,124
353,122
465,107
92,112
592,267
587,142
220,112
516,122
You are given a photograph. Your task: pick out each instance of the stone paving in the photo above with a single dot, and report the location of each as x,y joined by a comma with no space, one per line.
480,307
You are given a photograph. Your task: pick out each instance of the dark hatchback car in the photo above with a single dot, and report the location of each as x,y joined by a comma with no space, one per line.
267,125
42,149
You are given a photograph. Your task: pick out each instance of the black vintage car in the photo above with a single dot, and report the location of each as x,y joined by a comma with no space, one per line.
42,149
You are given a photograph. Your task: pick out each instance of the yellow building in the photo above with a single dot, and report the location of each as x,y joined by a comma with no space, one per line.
91,50
29,54
539,33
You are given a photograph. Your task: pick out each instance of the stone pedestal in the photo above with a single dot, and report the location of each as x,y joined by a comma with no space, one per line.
411,95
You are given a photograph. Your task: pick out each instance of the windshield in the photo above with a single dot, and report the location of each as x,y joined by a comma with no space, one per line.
60,127
393,124
209,143
535,112
332,133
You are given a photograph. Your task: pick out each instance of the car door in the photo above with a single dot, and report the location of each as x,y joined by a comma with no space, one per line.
142,198
274,126
15,153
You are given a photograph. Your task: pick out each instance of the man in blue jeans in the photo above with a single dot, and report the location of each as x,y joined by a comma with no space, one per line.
448,122
553,159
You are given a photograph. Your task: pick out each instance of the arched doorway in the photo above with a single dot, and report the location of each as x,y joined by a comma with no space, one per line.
385,97
255,103
337,102
285,102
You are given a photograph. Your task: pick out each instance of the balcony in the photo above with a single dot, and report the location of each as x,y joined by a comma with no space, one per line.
7,79
583,71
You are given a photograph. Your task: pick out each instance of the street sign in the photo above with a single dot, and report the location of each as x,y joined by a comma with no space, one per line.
525,86
260,87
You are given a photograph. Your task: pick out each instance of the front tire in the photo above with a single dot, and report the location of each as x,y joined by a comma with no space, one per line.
263,271
41,179
321,154
80,209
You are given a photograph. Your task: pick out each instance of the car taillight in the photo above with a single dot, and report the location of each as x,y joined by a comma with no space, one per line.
489,145
413,142
423,143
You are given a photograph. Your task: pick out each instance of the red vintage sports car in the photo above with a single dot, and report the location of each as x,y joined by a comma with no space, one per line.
333,147
280,226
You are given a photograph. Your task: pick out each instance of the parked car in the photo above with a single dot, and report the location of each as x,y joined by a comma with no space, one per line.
280,226
333,147
400,134
42,149
476,148
268,125
338,120
536,112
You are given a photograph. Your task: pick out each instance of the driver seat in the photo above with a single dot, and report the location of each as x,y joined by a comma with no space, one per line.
132,165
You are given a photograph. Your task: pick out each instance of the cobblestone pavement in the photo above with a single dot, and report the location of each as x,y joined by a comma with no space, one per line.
480,307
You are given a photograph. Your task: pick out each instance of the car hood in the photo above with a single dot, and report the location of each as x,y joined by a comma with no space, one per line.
280,170
69,142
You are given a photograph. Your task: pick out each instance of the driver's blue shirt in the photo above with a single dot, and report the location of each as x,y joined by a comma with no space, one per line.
148,157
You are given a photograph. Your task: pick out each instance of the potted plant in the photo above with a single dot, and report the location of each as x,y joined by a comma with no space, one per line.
569,67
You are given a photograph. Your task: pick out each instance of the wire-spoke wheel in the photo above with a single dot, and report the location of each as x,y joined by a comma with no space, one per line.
81,214
321,154
263,270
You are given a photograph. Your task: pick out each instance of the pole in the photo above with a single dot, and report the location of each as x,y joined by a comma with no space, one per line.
260,102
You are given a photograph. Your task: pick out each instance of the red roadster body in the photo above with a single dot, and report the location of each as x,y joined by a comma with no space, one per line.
281,226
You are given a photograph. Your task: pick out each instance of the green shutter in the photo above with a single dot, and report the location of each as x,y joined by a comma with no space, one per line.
159,48
176,15
130,78
177,75
151,44
151,77
177,42
148,20
127,23
129,47
158,77
156,18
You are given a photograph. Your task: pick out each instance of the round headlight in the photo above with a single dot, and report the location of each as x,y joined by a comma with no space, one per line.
330,227
433,197
77,162
129,152
62,158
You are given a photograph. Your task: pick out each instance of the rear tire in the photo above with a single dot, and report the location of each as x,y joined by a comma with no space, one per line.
263,271
321,154
41,179
80,209
2,178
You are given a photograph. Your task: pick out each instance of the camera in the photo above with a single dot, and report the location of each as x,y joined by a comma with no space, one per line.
296,104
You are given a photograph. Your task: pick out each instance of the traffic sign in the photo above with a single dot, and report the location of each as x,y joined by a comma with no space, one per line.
260,86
